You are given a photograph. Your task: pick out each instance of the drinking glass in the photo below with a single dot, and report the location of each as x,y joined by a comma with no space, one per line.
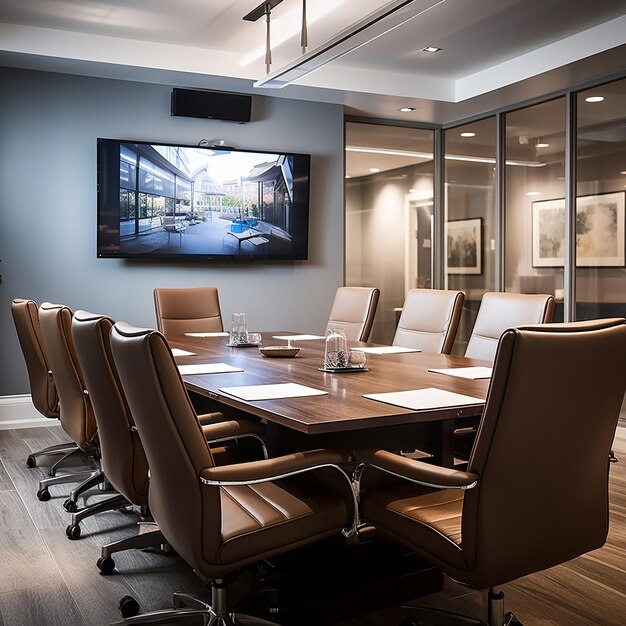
336,349
357,358
238,329
254,338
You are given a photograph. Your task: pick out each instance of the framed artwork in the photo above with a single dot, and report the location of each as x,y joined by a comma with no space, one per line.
599,231
464,246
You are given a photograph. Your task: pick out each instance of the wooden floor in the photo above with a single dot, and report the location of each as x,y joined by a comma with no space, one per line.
46,579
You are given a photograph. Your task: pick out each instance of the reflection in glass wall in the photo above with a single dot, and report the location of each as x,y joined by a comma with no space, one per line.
389,206
600,189
470,210
535,201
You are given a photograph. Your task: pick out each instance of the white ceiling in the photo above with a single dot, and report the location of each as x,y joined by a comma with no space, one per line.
493,52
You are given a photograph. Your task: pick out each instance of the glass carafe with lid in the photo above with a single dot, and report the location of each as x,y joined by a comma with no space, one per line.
336,349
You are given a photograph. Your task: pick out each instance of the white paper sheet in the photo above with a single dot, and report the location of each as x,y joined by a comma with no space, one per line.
221,334
179,352
388,350
423,399
208,368
473,373
298,337
272,392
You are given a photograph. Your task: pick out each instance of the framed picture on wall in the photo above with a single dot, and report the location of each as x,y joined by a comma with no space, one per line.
464,246
599,231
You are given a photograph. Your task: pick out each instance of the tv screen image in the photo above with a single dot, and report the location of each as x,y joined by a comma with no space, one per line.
196,202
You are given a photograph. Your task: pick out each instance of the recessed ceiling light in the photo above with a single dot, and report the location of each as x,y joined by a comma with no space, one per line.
348,176
533,193
406,109
624,172
468,134
594,99
431,49
374,170
412,190
542,145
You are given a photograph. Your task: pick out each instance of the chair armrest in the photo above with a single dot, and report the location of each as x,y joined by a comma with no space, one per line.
232,429
209,418
417,471
269,469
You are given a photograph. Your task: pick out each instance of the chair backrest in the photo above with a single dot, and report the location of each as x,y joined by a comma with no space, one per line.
429,320
42,388
123,458
542,449
501,310
353,310
180,311
173,441
76,413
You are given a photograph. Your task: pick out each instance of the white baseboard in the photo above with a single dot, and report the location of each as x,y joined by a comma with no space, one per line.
19,412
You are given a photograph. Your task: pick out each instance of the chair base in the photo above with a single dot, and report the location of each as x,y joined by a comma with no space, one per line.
188,608
44,494
70,446
116,502
422,616
149,539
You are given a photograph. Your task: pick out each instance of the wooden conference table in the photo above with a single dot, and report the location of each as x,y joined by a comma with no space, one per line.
343,419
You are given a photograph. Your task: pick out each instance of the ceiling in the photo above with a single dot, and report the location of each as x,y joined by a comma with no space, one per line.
493,52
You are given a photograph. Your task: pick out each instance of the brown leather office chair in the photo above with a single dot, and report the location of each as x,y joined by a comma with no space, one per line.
519,508
218,518
76,415
429,320
123,458
180,311
42,389
501,310
353,311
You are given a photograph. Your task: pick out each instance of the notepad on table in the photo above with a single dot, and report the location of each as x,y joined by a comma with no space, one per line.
216,334
208,368
298,337
473,373
179,352
388,350
423,399
272,392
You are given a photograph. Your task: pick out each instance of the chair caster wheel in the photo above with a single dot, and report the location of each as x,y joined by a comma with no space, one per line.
106,566
31,461
129,607
43,494
70,506
73,531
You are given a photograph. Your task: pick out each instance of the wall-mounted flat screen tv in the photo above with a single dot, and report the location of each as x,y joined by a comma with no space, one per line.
196,202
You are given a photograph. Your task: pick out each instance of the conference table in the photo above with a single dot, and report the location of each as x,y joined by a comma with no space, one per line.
342,418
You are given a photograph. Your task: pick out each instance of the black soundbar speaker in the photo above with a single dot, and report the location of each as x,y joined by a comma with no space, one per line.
213,105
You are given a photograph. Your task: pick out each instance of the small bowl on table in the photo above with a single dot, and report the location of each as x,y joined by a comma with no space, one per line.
279,351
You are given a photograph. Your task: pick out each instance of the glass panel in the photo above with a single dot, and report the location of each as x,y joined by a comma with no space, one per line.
470,209
389,206
535,201
600,184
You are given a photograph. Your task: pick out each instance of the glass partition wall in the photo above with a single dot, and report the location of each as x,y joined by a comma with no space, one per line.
600,190
534,206
505,222
389,209
470,215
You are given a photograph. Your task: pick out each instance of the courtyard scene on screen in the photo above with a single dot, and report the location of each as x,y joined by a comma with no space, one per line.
599,231
464,246
185,200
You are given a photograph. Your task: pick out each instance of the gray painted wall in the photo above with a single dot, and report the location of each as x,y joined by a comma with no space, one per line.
48,129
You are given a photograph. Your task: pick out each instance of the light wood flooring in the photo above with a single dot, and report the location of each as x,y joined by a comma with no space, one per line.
46,579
